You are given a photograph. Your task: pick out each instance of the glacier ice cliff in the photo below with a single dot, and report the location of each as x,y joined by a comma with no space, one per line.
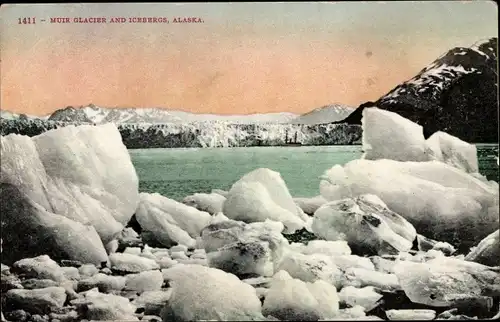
209,134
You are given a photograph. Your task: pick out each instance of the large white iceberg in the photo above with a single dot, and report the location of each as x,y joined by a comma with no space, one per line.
441,201
387,135
61,181
262,194
432,183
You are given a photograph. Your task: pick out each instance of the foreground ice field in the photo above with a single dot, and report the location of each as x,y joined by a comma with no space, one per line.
409,231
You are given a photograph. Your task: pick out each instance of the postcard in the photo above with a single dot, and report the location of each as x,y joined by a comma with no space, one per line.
249,161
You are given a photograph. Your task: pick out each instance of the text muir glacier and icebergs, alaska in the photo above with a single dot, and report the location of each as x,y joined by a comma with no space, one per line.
226,256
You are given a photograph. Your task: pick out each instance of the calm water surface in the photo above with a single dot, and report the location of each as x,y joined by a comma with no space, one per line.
177,173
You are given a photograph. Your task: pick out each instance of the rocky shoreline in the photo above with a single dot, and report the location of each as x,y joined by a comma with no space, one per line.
407,232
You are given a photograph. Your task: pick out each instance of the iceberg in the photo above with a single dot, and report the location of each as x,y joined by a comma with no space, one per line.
366,224
442,202
451,150
387,135
262,194
170,222
242,249
211,203
64,186
439,281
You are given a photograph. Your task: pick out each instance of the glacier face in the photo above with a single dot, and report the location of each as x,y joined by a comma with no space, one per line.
208,134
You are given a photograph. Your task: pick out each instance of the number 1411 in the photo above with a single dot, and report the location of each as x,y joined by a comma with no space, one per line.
26,21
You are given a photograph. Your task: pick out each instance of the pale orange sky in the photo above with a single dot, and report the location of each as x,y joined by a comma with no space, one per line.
244,58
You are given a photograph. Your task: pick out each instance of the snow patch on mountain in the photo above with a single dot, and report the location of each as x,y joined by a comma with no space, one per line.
8,115
325,114
434,78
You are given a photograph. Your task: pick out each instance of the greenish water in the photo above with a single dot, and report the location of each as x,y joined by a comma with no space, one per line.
177,173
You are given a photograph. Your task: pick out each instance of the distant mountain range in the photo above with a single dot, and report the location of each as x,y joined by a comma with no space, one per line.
97,115
457,93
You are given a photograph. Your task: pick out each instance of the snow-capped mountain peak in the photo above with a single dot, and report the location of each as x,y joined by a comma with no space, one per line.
95,114
444,71
324,114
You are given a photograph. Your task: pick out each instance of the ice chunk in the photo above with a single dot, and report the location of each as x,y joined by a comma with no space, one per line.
105,307
403,315
371,203
63,238
294,300
105,283
144,281
387,135
438,281
72,172
241,258
68,173
88,270
366,226
349,261
442,202
41,300
211,203
310,205
220,192
334,184
487,252
241,248
310,268
383,265
366,297
451,150
152,301
131,263
262,194
41,267
330,248
170,221
360,277
203,293
427,244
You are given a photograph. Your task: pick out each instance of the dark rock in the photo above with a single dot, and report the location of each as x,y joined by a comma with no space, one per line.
70,263
17,315
34,283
